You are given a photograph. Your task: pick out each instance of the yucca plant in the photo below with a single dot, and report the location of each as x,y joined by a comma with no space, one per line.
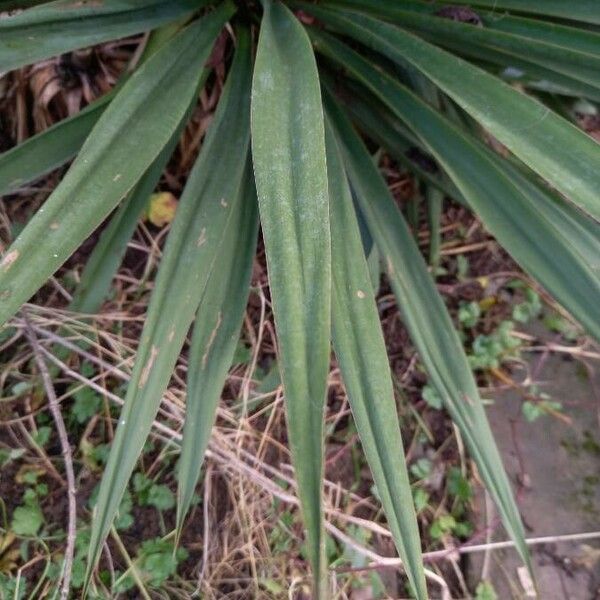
309,84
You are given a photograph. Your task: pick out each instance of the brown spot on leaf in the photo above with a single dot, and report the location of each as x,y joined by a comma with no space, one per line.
9,259
360,294
54,226
202,237
213,335
389,266
148,366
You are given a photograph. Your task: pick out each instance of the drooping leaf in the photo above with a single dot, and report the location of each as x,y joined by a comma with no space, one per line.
288,149
427,320
574,52
360,350
49,149
53,147
529,129
586,11
214,192
554,242
58,27
215,338
116,154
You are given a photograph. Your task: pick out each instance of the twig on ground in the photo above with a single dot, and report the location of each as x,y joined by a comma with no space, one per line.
67,457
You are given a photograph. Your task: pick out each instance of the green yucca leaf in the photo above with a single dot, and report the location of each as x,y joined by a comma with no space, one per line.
360,349
529,129
532,38
555,34
396,139
59,143
64,25
517,69
567,50
550,239
49,149
288,150
586,11
107,255
214,192
109,251
428,321
216,335
116,154
435,202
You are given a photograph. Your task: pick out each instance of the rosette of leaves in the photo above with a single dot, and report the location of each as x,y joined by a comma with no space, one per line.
307,86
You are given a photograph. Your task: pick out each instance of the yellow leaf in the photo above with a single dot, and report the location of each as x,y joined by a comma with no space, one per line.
161,208
487,303
22,474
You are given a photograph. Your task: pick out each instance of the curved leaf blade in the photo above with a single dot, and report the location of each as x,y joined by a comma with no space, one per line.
428,321
132,131
216,335
49,149
58,27
586,11
549,238
360,350
530,130
213,193
288,149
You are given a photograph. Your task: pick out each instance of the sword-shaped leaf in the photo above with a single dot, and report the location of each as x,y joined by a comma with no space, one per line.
49,149
529,129
552,240
427,320
58,27
360,350
572,51
214,192
586,11
216,335
127,138
288,149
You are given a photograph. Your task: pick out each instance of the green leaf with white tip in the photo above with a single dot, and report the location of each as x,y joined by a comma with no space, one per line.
214,192
529,129
288,150
58,27
127,138
360,350
427,320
